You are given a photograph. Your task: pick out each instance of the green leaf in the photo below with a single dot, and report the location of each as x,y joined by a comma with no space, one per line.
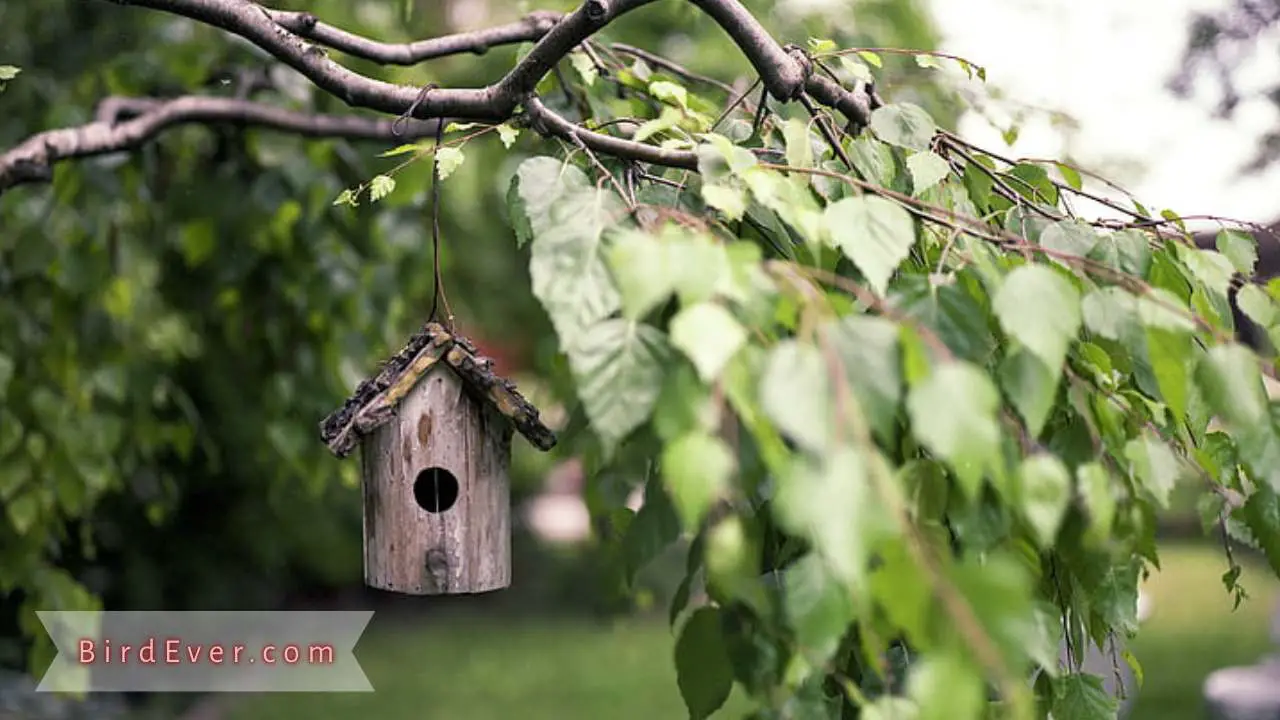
1010,135
708,335
733,563
448,159
1040,309
1080,696
947,688
719,157
1069,237
1031,386
567,216
641,265
874,160
1231,383
833,505
1044,492
1261,513
23,511
799,146
875,233
902,588
1154,465
951,312
585,67
507,134
888,707
903,124
728,199
817,606
927,169
703,671
867,349
855,69
1070,175
1128,251
1032,182
1159,308
790,197
1110,312
928,61
381,186
1211,268
871,58
697,469
618,367
405,149
685,404
953,413
821,45
1099,499
1257,305
652,530
1171,357
1240,248
10,436
670,92
998,589
6,374
795,394
346,197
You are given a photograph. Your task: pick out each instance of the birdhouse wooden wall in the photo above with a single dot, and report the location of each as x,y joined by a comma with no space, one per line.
437,514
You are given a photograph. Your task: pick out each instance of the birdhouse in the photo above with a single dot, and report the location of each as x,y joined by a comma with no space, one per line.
434,430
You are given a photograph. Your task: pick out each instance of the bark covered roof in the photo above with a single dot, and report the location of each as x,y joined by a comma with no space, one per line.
375,400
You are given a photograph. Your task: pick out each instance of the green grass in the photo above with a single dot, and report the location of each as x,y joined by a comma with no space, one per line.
482,667
1193,631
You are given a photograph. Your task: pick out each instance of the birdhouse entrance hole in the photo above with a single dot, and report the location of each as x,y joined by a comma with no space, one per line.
436,490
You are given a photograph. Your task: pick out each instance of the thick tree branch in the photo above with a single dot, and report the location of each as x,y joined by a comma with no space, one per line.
305,25
785,72
495,102
33,160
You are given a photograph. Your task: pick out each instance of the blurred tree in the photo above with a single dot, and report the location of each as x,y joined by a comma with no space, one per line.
1217,44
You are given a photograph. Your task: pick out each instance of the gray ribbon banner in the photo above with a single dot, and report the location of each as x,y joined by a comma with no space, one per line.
217,651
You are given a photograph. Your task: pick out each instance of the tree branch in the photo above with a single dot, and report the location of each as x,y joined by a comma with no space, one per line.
548,122
305,25
33,160
785,72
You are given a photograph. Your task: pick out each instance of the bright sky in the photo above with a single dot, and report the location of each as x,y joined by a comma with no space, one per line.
1105,62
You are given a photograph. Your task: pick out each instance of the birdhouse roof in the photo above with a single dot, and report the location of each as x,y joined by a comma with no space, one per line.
375,400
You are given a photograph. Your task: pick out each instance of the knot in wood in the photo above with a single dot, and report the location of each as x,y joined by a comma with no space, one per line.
596,9
802,58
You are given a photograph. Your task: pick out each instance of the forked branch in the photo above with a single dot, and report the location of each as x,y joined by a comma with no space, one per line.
298,40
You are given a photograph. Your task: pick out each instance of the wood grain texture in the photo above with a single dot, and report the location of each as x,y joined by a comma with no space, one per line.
465,549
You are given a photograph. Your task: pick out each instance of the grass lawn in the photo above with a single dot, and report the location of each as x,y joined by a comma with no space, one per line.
472,667
1192,630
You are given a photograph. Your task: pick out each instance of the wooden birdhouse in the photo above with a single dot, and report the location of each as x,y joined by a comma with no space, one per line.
434,430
